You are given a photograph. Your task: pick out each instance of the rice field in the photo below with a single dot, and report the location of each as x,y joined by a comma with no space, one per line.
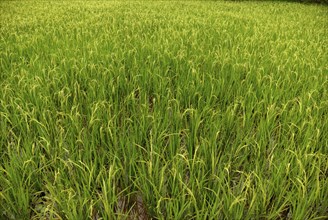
163,110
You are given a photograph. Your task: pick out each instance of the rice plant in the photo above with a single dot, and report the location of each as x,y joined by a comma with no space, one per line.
163,110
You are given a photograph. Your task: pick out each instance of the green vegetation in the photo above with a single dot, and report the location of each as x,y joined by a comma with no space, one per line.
168,110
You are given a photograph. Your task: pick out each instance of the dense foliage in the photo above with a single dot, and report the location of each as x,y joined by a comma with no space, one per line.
164,110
